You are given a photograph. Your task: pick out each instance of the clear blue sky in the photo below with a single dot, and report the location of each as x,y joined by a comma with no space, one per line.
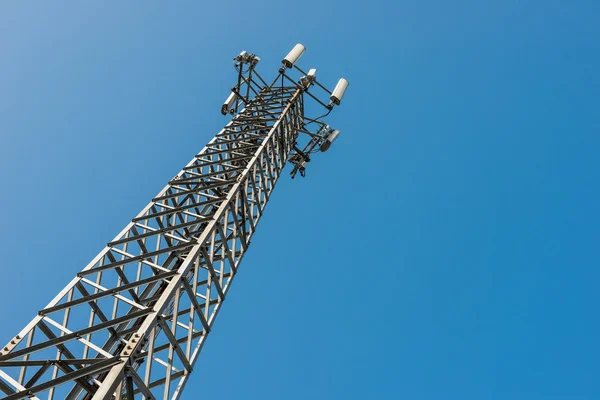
446,247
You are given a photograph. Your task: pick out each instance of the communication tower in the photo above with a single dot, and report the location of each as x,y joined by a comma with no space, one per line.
132,323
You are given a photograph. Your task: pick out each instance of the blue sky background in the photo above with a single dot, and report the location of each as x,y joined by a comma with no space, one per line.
446,247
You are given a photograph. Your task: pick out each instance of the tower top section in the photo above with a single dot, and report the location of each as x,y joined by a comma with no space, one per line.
251,87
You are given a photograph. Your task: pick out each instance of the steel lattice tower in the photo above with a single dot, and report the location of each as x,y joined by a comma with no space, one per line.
132,323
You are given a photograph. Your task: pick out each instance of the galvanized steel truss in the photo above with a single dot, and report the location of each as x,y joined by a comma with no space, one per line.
133,322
